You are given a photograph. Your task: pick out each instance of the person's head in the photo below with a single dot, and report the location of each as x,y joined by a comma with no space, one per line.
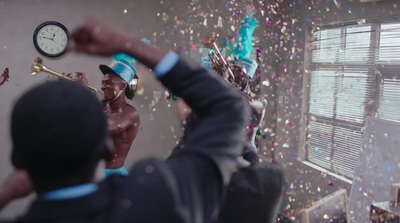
243,70
118,78
242,80
248,66
58,131
112,86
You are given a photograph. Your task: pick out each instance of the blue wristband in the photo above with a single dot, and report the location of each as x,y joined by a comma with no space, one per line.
166,64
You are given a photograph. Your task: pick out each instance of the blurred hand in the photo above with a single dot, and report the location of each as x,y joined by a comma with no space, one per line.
81,78
4,76
18,184
97,37
67,75
6,73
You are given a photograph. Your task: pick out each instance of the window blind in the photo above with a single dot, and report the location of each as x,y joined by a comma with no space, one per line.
342,83
389,107
389,45
388,59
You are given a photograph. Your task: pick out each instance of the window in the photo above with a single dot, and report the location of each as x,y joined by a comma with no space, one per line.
354,72
388,70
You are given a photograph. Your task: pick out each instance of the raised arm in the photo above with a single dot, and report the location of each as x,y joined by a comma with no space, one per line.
204,168
206,164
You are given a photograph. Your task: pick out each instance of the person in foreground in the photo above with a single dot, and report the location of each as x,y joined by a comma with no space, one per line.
59,134
256,189
257,186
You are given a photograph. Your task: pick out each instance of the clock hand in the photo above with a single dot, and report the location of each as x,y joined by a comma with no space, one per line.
53,36
55,42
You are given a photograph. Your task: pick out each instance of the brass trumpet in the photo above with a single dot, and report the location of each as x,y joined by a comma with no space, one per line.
37,66
217,60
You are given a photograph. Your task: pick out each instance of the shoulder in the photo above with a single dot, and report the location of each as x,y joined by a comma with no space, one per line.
129,107
131,112
262,177
150,186
148,176
154,170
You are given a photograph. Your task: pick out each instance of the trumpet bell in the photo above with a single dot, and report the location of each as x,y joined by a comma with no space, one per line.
37,66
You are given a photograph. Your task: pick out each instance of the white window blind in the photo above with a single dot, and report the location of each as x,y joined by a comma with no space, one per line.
388,60
342,82
356,42
346,145
327,44
389,107
389,46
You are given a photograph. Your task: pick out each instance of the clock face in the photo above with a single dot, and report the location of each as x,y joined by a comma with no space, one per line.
51,39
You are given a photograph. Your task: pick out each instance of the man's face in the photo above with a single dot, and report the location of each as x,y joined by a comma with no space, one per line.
111,85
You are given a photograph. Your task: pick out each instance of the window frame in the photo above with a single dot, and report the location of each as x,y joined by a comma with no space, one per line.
374,65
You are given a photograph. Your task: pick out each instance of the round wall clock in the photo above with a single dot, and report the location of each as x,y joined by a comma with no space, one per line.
51,39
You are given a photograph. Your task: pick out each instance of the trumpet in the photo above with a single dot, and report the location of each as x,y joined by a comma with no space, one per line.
217,60
37,66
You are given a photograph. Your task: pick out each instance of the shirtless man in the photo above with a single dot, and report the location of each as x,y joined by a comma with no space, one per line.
242,71
122,118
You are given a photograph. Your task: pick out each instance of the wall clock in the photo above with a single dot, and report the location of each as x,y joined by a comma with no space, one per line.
51,39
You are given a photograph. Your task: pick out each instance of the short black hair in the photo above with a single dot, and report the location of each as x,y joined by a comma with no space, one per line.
129,92
58,129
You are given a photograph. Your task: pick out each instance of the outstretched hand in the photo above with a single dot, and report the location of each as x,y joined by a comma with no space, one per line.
98,37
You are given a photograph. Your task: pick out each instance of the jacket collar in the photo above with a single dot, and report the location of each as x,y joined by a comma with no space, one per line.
93,203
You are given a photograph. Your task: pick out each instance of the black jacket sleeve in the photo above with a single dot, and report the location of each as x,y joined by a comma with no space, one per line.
203,169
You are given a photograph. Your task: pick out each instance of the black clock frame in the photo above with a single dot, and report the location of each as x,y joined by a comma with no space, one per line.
37,32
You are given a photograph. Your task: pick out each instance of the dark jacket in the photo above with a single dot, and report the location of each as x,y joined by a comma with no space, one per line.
255,192
189,186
